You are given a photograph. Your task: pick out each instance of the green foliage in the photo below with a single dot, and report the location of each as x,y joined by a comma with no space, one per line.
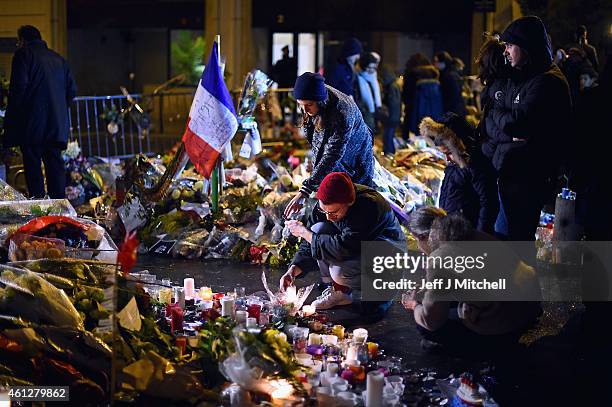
188,56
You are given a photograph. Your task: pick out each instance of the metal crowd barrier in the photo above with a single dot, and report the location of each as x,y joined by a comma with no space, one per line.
166,113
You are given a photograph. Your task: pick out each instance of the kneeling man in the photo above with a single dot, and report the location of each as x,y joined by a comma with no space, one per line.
346,215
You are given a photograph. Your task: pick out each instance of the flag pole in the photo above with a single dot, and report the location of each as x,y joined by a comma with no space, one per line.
215,174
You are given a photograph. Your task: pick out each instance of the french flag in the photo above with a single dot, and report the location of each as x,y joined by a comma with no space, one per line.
212,119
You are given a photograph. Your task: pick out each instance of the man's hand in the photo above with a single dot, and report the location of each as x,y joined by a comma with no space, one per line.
288,278
297,229
294,205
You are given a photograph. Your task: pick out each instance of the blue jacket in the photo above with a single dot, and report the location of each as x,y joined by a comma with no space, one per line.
345,145
343,78
41,90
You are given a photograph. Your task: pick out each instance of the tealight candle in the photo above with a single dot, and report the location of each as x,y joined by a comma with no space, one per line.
308,310
206,293
338,330
189,287
360,335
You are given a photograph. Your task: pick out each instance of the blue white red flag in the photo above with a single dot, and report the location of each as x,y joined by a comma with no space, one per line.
212,119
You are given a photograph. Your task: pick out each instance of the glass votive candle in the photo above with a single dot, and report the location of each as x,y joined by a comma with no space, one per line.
314,339
338,330
300,339
205,293
165,295
251,323
254,311
206,304
329,339
373,349
360,335
315,350
241,317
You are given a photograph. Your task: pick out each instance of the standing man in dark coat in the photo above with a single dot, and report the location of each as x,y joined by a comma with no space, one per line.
534,114
285,70
589,50
40,91
343,76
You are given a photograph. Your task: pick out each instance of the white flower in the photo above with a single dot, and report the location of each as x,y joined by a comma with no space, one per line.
72,150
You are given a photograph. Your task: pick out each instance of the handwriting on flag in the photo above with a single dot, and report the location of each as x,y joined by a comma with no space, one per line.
210,119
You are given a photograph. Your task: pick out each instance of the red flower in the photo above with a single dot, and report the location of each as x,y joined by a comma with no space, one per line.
127,252
257,253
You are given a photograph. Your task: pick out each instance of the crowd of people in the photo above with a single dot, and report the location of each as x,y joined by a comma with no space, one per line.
498,177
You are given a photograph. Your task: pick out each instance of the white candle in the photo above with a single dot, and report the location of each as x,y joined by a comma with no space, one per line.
189,286
251,322
352,351
241,317
329,339
374,389
314,339
291,295
360,335
308,310
227,306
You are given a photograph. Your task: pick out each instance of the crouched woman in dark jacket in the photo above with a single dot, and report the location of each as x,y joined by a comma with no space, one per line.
346,215
334,127
469,186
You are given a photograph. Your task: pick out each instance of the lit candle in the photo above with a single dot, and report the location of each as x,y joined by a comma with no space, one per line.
314,339
373,349
291,295
206,293
338,330
351,353
165,295
308,310
189,286
329,339
374,389
227,306
360,335
282,391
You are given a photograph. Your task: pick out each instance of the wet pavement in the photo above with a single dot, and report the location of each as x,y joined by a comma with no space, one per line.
527,376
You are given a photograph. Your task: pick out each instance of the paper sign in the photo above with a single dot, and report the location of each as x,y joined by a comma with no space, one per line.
129,317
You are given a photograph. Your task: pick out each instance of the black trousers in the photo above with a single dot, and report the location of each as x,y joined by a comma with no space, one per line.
55,171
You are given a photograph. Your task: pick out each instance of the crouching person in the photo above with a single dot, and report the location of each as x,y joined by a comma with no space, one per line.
346,215
483,327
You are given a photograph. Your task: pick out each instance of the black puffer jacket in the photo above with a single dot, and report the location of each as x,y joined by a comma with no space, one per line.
491,133
345,145
536,108
452,99
370,218
40,92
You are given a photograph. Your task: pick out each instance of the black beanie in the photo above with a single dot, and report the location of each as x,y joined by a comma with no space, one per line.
460,126
310,86
352,46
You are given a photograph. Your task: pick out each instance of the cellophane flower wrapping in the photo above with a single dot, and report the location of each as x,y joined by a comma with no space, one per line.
291,298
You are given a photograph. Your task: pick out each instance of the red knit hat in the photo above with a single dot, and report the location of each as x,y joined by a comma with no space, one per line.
336,187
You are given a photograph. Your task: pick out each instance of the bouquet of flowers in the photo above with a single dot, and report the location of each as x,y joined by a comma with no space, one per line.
81,182
255,87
